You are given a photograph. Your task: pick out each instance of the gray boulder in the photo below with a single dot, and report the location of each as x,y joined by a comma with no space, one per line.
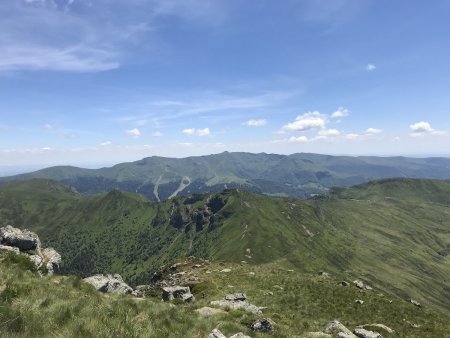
109,284
359,284
24,240
52,260
236,297
237,301
209,311
180,292
337,329
263,325
216,334
37,260
9,248
378,326
363,333
415,302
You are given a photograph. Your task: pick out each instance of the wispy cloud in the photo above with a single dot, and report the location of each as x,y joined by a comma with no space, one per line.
370,67
82,35
197,132
340,112
134,133
256,123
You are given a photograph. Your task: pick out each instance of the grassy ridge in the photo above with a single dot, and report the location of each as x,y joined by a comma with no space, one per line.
394,234
63,306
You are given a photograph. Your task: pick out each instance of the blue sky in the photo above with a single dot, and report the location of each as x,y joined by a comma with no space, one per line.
104,81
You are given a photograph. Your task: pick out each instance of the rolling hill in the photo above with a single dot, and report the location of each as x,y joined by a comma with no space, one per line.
393,234
298,175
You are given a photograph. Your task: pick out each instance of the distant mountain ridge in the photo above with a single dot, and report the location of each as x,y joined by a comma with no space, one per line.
298,175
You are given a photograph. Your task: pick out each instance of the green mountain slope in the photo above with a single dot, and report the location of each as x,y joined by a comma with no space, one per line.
394,234
297,175
298,303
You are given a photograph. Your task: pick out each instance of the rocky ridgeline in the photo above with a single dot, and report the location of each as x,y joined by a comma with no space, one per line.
25,242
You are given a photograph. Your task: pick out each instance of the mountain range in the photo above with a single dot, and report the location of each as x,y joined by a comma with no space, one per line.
393,234
298,175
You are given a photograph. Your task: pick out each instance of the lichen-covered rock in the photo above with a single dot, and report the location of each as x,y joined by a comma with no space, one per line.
109,284
337,329
180,292
216,334
263,325
236,297
363,333
52,260
237,301
24,240
37,260
378,326
359,284
9,248
415,302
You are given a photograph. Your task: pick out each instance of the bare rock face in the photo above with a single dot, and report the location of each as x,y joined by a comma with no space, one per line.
109,284
24,240
180,292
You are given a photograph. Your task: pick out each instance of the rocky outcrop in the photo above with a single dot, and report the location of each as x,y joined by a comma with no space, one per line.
177,292
9,248
363,333
24,240
338,330
27,243
52,260
359,284
240,335
263,325
378,326
237,301
109,284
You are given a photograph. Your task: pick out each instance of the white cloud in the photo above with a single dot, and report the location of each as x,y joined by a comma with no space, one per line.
329,132
189,131
373,131
299,139
46,148
421,127
307,121
370,67
256,123
198,132
106,143
157,134
341,112
203,132
351,136
134,133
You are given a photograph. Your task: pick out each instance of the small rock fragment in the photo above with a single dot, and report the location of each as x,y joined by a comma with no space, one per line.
263,325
